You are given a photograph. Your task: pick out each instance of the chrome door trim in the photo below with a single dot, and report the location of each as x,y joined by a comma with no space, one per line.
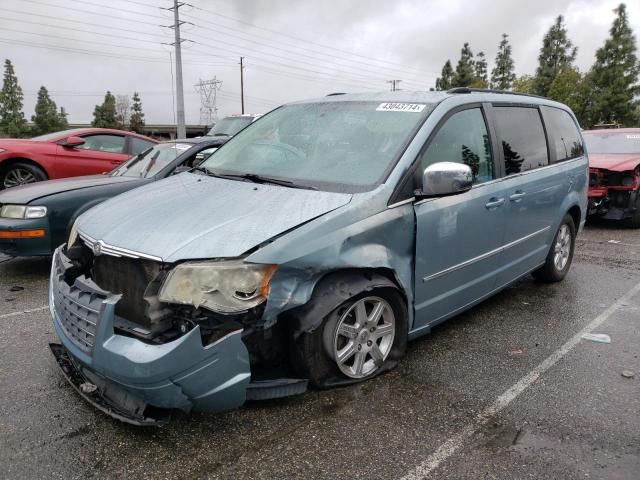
507,177
484,256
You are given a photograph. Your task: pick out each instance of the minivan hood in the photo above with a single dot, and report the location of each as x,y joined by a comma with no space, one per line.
191,216
24,194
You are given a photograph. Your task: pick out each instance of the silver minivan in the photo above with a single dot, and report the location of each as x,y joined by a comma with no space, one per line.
312,246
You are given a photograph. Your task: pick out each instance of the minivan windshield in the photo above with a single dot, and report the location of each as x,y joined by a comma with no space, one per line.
345,146
614,142
152,160
229,126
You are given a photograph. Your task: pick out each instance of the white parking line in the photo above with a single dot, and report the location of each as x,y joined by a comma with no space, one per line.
449,447
15,314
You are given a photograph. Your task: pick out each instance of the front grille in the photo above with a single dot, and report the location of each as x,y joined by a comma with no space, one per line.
78,309
130,278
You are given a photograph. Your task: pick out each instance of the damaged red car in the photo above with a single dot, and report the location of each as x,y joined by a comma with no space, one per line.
614,174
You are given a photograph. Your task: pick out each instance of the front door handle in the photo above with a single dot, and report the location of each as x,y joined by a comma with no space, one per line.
517,196
494,202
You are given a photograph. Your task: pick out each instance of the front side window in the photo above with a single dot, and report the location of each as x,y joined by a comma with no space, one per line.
345,146
566,142
522,137
229,126
103,143
462,139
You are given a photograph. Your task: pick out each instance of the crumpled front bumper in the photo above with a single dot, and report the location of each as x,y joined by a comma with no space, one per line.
181,374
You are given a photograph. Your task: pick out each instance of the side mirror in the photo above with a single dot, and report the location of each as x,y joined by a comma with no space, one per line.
446,178
71,142
181,169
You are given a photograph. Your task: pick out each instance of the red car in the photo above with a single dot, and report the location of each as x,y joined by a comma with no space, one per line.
614,174
81,151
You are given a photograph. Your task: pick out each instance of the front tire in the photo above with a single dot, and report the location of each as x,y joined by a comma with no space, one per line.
634,220
20,173
560,255
358,340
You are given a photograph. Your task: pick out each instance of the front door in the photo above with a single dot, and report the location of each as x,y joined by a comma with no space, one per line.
458,237
100,153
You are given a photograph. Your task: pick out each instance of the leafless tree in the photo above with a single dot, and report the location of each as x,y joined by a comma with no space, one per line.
122,110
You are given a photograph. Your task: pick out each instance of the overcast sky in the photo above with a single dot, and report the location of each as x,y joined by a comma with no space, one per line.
293,49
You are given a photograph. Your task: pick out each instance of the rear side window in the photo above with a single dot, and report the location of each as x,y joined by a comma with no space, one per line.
522,136
462,139
563,134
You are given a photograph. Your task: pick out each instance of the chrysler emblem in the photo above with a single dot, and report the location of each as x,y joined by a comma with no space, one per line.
97,248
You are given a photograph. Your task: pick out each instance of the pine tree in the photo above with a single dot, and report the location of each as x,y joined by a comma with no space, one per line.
557,52
502,75
465,70
444,81
572,88
614,75
481,80
47,119
104,116
136,120
12,120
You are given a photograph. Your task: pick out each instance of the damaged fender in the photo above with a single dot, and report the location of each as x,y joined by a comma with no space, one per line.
339,260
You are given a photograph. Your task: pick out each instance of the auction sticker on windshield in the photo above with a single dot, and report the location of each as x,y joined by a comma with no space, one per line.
182,146
401,107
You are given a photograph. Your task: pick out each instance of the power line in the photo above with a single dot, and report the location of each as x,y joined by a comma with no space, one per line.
90,52
344,69
102,15
299,39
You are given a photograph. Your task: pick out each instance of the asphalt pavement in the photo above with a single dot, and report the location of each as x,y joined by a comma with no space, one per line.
507,390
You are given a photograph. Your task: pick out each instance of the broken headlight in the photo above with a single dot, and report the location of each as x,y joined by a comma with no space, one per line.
223,287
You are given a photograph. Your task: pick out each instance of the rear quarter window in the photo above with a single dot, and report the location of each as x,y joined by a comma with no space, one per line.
564,138
522,137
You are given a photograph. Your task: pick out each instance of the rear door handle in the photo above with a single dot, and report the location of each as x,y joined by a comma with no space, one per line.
517,196
494,202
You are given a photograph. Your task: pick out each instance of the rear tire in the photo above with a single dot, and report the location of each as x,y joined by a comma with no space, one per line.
368,345
20,173
560,254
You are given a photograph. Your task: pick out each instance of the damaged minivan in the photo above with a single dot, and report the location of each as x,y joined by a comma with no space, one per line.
312,246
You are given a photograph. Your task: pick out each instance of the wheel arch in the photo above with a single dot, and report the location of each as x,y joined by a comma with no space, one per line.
4,165
576,214
337,286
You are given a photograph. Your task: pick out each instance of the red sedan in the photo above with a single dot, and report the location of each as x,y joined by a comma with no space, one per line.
70,153
614,174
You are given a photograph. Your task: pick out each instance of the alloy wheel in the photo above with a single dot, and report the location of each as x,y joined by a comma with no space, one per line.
18,176
562,248
363,337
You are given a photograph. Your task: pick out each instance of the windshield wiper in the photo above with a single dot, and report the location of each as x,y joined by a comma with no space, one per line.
252,177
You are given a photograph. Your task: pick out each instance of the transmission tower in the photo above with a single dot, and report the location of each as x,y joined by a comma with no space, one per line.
208,90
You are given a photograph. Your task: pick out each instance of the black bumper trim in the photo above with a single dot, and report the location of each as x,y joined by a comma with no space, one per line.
100,398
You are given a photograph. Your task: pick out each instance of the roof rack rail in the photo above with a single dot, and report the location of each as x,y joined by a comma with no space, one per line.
490,90
336,93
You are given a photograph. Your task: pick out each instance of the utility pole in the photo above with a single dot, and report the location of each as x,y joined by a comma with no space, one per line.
242,84
394,84
180,127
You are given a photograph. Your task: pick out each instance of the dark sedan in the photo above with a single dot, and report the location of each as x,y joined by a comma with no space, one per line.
36,218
